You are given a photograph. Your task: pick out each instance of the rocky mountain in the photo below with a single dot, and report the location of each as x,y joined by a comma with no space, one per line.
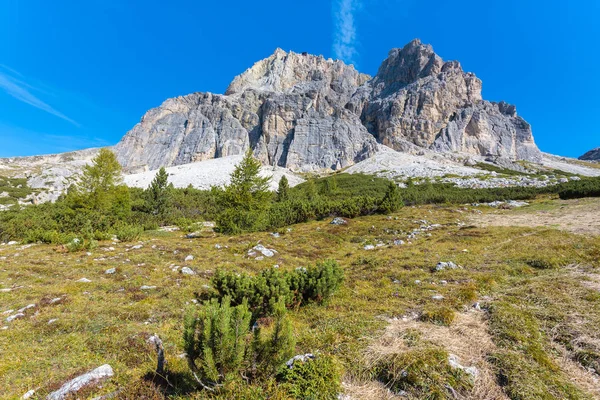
305,113
592,155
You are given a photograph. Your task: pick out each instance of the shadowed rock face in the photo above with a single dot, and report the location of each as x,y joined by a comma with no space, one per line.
592,155
304,112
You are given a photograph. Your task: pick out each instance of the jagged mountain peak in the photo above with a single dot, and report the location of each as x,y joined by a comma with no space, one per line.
305,112
283,71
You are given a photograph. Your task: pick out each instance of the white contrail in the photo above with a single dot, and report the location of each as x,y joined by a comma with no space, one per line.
344,40
20,90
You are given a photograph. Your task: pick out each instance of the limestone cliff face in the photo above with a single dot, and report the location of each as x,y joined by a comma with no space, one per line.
416,98
289,108
304,112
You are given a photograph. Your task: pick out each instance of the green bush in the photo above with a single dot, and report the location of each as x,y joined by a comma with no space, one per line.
303,285
128,233
312,379
221,349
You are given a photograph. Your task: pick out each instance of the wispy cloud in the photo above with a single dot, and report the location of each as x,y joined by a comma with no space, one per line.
344,38
14,85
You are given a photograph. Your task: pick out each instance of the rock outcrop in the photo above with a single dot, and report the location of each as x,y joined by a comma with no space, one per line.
418,99
304,112
289,108
592,155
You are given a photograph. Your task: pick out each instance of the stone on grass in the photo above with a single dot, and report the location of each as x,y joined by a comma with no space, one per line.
339,221
261,249
187,271
300,357
189,258
91,378
27,307
13,317
446,265
369,247
28,394
110,271
146,287
438,297
84,280
193,235
454,363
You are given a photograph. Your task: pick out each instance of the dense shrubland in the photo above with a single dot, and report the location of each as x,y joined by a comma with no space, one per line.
100,206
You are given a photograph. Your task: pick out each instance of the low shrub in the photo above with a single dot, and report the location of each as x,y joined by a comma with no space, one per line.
128,233
312,379
315,283
221,349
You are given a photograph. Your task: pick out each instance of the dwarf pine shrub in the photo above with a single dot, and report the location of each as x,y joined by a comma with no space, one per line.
221,349
315,283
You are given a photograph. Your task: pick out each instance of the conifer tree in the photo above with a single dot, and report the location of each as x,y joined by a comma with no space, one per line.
245,200
157,194
283,189
391,201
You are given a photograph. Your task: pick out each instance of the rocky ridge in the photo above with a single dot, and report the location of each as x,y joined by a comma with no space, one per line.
306,113
592,155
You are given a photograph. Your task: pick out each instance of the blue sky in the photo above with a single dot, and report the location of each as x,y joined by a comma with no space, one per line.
77,74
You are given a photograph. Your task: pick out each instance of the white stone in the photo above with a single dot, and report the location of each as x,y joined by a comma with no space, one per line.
189,258
110,271
93,377
84,280
187,271
28,394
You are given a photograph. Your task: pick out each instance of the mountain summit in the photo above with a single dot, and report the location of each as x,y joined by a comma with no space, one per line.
305,112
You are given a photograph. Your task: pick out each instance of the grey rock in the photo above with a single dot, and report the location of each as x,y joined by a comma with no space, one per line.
454,362
189,258
339,221
187,271
29,394
592,155
84,280
301,358
446,265
91,378
110,271
259,248
13,317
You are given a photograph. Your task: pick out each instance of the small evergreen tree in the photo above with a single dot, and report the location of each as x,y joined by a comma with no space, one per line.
157,194
283,189
220,348
391,201
245,200
329,186
310,189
